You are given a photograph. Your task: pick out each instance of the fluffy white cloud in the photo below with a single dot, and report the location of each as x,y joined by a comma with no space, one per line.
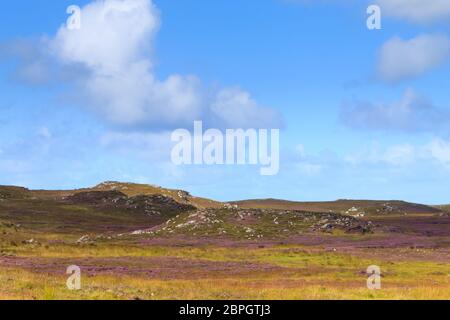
412,113
114,46
235,107
401,59
113,35
421,11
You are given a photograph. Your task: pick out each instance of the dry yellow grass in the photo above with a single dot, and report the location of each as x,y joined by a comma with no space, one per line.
319,275
25,285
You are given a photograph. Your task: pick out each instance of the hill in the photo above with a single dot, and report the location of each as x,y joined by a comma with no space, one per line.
444,208
116,210
351,207
135,241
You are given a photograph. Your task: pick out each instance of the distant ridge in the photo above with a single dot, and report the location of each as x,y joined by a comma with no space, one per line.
344,206
341,206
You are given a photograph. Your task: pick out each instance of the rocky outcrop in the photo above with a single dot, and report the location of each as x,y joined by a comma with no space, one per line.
148,204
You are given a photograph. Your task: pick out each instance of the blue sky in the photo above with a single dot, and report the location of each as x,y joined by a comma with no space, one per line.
365,113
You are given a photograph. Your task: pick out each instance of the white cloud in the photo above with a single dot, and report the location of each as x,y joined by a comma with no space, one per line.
422,11
113,44
235,107
113,48
412,113
113,34
399,155
417,11
437,150
396,155
401,59
307,164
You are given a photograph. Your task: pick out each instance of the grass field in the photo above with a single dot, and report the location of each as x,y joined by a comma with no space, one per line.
126,250
278,272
